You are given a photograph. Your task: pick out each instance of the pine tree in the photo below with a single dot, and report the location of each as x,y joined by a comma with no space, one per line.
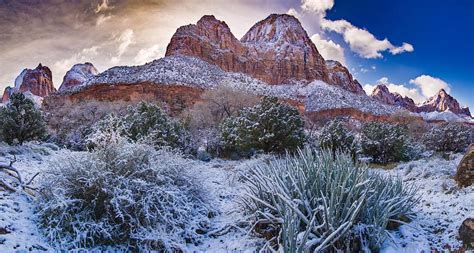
20,121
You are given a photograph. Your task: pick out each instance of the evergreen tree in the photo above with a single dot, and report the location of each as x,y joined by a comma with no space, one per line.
384,142
335,137
20,121
269,126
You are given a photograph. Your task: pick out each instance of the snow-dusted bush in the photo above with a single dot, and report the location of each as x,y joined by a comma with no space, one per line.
384,142
314,201
20,121
122,194
335,137
146,123
450,136
270,126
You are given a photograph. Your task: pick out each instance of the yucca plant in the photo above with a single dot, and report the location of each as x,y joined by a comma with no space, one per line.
320,202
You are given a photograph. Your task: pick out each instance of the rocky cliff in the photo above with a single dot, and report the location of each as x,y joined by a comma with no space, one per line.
382,94
6,94
38,81
443,102
276,50
77,75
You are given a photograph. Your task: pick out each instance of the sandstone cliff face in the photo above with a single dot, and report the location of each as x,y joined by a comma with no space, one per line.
77,75
6,94
38,81
276,50
382,94
340,76
442,102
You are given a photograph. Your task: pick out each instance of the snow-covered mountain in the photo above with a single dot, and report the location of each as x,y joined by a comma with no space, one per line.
37,81
276,50
441,106
78,74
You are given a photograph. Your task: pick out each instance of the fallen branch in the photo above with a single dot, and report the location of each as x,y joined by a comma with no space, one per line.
14,173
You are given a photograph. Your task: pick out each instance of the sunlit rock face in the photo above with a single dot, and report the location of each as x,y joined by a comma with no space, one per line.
276,50
382,94
443,102
340,76
77,75
38,81
6,94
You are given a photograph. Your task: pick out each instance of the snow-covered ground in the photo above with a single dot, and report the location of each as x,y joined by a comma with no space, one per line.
442,208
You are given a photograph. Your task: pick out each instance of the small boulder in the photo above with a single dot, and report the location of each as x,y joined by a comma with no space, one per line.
466,232
465,170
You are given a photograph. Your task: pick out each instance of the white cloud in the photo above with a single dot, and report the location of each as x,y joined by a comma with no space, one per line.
103,6
430,85
85,55
102,18
404,48
319,6
368,88
361,41
148,54
328,49
125,39
293,12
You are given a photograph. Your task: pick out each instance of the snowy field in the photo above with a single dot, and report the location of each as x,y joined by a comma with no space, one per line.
442,208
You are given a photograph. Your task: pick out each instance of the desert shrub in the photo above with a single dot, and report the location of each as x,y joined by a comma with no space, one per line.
20,121
122,194
384,142
450,136
335,137
270,126
314,201
146,123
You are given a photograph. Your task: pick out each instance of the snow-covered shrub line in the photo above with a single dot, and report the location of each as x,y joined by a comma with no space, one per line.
121,194
315,201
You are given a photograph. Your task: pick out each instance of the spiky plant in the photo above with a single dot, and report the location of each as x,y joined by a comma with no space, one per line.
321,202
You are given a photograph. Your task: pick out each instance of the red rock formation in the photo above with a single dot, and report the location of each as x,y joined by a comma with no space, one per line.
6,94
340,76
442,102
276,50
38,81
382,94
77,75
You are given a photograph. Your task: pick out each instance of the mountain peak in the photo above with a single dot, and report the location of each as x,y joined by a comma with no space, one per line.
276,50
77,75
441,102
382,94
277,27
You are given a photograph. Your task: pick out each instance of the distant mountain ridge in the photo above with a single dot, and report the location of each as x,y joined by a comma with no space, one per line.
440,102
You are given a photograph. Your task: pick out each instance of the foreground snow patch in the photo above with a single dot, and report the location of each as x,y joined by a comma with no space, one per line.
442,209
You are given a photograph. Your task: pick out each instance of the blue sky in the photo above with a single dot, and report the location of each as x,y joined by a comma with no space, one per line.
414,47
440,32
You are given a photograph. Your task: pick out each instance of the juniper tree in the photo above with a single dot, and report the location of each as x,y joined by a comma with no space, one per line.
270,126
20,121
